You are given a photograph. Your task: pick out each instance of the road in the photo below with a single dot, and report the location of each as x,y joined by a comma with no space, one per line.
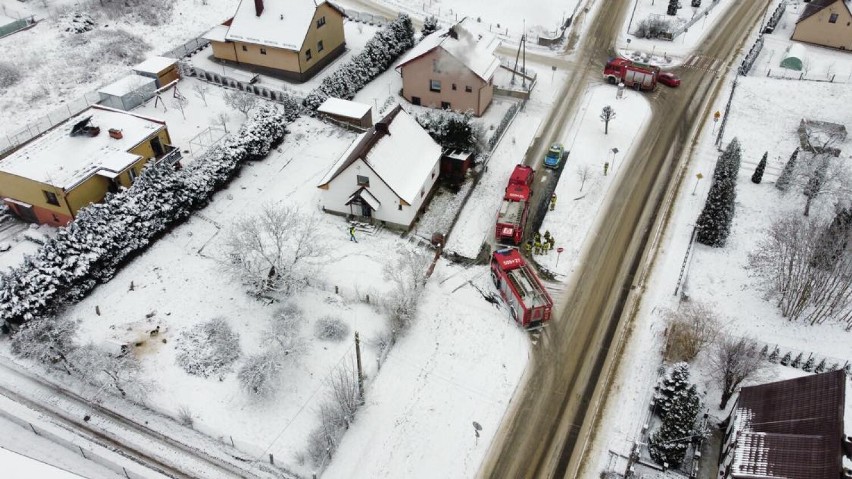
197,457
546,430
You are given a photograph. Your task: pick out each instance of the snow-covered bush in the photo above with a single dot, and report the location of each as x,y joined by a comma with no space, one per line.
117,46
430,25
46,341
106,235
678,405
408,276
259,374
379,53
451,130
336,414
77,22
653,27
208,349
9,74
149,12
330,328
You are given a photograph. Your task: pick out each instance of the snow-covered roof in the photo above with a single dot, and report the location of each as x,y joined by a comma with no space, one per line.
128,84
282,24
155,65
349,109
62,160
403,156
217,33
474,50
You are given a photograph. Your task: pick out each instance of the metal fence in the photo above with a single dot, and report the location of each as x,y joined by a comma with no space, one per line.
751,57
187,49
188,70
364,17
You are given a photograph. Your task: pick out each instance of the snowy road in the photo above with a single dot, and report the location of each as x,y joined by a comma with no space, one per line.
150,450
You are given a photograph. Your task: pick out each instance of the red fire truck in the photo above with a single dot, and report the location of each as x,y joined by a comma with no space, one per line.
634,75
520,288
515,208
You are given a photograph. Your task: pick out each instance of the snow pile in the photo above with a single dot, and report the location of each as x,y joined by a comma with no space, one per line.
378,55
104,236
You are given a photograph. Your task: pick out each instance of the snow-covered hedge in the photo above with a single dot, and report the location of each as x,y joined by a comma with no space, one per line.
379,54
451,130
106,235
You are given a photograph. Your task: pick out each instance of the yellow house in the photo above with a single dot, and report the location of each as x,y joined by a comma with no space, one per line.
51,178
827,23
293,39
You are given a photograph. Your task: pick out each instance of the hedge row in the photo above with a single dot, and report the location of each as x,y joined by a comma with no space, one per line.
106,235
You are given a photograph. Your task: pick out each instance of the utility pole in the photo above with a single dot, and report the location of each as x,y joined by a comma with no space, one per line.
360,371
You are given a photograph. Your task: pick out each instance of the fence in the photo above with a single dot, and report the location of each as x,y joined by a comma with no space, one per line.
188,70
803,76
363,17
727,112
775,18
695,18
187,49
204,140
753,53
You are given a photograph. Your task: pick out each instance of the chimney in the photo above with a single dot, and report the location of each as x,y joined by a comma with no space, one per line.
382,127
452,33
258,7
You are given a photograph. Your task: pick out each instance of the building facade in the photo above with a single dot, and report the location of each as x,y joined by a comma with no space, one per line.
827,23
292,39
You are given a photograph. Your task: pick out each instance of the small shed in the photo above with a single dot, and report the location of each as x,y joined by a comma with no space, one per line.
163,70
793,57
454,165
349,112
128,93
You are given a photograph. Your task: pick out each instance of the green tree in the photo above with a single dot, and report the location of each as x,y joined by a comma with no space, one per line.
757,177
787,174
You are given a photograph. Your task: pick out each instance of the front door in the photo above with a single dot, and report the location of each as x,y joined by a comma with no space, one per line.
157,146
26,213
366,211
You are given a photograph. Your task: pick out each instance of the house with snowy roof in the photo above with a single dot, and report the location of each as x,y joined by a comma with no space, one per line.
291,39
793,429
452,69
827,23
386,175
49,179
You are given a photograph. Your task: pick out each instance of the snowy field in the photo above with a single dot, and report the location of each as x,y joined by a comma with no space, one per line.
58,67
720,278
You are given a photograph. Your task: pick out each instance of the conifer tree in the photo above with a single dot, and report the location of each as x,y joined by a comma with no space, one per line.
785,361
787,174
798,361
714,223
757,177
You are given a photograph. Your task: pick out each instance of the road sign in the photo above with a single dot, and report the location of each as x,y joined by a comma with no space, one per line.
560,249
716,116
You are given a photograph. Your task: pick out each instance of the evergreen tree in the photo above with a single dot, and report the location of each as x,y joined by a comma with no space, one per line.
773,357
820,368
815,184
757,177
785,361
798,361
672,9
430,25
714,223
764,353
787,174
833,241
669,443
809,364
673,383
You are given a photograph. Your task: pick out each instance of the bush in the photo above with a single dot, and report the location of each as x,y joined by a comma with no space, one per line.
451,130
118,47
330,328
653,27
208,348
259,374
77,22
106,235
9,74
689,330
149,12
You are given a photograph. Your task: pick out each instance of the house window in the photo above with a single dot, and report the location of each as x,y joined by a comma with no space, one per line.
132,174
320,46
399,207
468,89
320,22
435,67
308,55
445,105
422,193
435,85
363,180
415,100
833,18
263,51
51,198
245,48
454,87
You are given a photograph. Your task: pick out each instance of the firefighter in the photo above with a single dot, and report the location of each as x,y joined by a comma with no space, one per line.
606,167
545,245
537,245
553,202
352,234
528,247
537,237
551,243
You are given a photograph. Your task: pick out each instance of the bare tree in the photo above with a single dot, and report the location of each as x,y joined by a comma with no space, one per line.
200,89
408,276
274,251
820,176
807,286
260,373
689,330
583,171
336,414
180,102
607,115
283,332
47,340
102,370
733,361
241,101
222,118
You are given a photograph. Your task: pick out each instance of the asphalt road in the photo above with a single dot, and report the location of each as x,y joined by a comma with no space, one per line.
547,429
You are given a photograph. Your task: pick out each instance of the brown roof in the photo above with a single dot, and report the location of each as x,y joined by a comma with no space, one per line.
817,6
793,428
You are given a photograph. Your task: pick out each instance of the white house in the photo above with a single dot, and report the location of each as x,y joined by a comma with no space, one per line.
387,173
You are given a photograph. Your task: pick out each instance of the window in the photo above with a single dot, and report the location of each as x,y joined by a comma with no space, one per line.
833,18
454,87
245,48
263,51
435,67
308,55
132,174
415,100
433,174
51,198
422,192
435,85
468,89
399,207
445,105
320,46
320,22
363,180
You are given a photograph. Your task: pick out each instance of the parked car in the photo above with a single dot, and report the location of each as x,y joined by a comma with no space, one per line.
554,155
668,79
